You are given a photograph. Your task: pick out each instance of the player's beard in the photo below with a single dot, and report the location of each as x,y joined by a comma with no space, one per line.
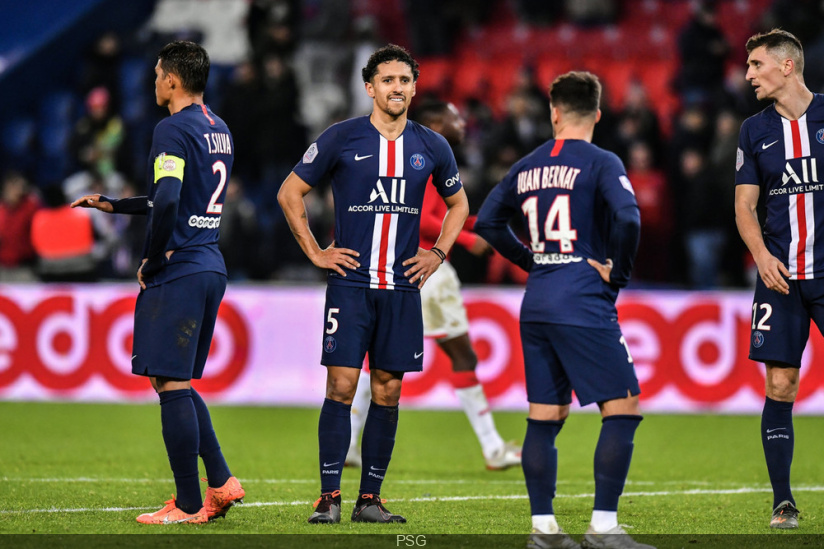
394,109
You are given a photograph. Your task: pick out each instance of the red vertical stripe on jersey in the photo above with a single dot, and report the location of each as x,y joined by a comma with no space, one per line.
382,275
802,226
206,114
797,152
556,148
390,158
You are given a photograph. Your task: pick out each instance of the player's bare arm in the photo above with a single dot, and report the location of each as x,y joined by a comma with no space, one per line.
427,262
93,201
290,198
772,271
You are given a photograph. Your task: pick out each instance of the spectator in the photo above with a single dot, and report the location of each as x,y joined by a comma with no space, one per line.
654,259
588,13
704,50
98,135
63,239
101,68
705,211
17,208
723,149
637,121
239,231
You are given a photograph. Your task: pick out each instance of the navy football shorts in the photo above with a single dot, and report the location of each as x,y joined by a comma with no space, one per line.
173,326
386,323
559,358
781,323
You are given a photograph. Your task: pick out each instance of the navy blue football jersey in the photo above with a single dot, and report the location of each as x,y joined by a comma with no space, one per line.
781,156
566,192
195,146
378,185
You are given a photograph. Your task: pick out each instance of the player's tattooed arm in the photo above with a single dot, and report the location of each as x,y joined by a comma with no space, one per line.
290,198
773,272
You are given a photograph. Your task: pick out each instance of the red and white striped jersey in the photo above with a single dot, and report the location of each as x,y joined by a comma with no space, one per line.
783,157
378,187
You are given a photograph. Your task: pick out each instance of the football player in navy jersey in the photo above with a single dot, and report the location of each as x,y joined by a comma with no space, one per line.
579,210
182,278
779,150
379,165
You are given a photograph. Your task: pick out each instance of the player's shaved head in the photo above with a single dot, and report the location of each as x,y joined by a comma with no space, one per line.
431,112
392,52
576,92
780,44
189,62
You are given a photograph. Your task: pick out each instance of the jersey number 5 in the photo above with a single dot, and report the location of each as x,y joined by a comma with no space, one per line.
557,227
214,207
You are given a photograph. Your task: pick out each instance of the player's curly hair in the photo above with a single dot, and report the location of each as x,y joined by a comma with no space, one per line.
188,61
781,43
391,52
578,92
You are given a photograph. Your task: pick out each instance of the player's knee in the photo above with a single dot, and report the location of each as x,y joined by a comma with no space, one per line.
782,383
340,390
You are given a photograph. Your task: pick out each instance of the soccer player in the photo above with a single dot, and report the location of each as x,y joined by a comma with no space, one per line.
779,152
380,165
579,210
444,314
182,278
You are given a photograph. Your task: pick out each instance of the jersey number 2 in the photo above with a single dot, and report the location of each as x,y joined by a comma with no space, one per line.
214,207
557,227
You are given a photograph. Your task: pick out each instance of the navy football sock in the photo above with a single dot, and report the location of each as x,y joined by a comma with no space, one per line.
217,471
376,446
613,455
778,439
182,437
539,459
334,428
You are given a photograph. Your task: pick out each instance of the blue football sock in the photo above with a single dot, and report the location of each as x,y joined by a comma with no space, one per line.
334,428
376,446
539,459
613,455
778,439
182,437
217,471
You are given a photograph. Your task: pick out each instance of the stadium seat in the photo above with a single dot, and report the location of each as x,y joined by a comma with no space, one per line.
57,108
18,136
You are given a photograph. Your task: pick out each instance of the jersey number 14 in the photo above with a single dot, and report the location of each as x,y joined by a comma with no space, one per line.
557,227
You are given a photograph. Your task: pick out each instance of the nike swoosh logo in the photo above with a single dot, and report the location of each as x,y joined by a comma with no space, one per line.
376,469
765,146
357,158
776,429
419,355
330,464
134,357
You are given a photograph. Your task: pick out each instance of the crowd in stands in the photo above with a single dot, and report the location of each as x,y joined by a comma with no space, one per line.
283,70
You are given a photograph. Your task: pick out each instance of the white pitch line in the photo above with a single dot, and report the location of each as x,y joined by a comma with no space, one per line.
741,490
517,482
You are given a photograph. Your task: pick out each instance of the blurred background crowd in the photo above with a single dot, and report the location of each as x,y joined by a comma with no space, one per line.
283,70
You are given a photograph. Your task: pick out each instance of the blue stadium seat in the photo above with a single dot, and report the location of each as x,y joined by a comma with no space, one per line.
18,136
57,108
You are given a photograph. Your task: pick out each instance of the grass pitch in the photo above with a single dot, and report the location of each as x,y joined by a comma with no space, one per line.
92,468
